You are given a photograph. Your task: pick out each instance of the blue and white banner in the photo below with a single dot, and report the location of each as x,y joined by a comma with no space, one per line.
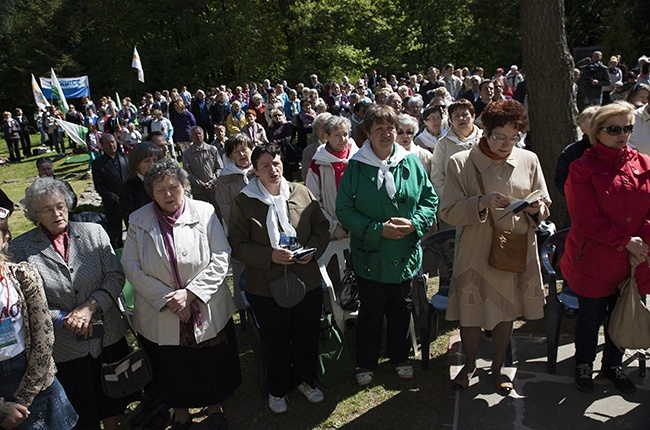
73,88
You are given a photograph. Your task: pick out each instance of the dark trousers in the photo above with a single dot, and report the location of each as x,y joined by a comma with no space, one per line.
56,142
82,383
114,228
12,145
593,312
289,340
378,300
25,143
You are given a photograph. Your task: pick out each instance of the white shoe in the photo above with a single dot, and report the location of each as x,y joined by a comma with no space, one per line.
364,377
314,395
404,371
278,404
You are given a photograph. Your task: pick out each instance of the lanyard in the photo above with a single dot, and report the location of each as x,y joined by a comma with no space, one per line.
3,281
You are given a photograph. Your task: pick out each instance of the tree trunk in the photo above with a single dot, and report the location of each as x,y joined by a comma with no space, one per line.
549,83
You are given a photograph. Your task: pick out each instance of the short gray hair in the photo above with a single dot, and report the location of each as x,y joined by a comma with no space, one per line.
336,122
160,169
41,188
404,119
319,121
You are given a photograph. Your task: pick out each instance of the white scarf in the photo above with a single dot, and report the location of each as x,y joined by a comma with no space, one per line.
428,139
367,156
323,156
230,168
278,210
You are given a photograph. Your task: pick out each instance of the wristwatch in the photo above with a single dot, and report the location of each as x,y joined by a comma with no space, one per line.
93,303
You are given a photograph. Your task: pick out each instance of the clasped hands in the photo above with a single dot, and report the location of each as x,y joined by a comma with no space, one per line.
80,320
179,302
397,228
637,251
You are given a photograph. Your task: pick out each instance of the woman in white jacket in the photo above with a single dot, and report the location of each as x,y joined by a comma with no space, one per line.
464,134
327,168
176,256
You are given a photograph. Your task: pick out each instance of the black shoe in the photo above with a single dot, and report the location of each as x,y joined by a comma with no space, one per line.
621,381
218,421
583,377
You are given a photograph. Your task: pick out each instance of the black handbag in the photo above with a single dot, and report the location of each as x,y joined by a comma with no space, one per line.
130,374
288,290
349,295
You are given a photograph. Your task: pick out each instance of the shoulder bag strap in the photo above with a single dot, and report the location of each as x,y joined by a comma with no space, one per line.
479,178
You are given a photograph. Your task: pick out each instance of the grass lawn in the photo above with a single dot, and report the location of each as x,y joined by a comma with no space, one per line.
387,403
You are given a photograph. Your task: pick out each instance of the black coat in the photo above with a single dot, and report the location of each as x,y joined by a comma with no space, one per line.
108,181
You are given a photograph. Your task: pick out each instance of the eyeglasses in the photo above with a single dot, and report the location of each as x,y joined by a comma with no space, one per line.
49,211
500,139
615,130
277,115
407,132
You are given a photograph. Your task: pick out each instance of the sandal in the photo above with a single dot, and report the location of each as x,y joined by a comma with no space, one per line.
503,384
364,376
461,382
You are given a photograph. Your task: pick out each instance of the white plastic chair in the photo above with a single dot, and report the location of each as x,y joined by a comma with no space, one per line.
338,247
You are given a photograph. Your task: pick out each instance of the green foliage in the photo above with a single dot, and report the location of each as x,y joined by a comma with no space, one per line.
203,43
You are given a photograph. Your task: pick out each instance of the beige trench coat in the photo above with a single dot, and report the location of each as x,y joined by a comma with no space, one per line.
481,295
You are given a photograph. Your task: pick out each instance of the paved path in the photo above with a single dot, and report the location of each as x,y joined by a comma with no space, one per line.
542,401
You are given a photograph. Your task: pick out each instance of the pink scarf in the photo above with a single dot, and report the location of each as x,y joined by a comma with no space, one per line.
166,223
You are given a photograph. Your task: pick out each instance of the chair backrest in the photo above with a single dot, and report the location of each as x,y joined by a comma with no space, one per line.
128,292
338,248
438,256
552,251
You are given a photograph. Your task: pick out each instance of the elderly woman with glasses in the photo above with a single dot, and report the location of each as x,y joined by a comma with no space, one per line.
82,279
608,196
176,256
480,182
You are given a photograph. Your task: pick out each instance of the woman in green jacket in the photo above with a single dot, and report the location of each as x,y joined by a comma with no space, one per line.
387,203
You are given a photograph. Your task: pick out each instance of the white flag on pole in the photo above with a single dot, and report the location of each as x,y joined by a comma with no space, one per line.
75,131
39,98
137,64
58,93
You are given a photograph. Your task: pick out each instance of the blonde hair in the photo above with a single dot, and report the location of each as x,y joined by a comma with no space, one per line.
606,112
585,117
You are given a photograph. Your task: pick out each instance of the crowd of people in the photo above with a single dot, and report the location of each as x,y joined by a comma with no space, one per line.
385,162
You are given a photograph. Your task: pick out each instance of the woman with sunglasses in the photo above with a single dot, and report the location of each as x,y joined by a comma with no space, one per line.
608,196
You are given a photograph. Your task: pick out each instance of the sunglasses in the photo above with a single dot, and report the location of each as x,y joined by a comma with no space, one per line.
408,132
615,130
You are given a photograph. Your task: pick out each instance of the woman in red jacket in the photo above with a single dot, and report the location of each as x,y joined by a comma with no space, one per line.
608,196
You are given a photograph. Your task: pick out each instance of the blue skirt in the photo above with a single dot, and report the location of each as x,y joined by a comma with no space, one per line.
50,409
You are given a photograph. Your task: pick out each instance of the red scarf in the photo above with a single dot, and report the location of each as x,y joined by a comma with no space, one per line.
485,148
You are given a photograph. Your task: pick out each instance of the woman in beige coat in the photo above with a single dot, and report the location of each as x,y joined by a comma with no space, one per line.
464,134
235,175
482,296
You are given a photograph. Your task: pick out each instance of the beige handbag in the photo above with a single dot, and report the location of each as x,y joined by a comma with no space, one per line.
508,251
629,322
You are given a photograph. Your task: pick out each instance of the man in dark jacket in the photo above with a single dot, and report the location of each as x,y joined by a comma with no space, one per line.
593,77
201,111
110,171
25,142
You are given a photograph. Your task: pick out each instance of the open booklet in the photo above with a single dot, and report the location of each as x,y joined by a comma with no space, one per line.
300,253
517,206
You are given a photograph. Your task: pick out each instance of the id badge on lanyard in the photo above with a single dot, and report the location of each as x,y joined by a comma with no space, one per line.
7,332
